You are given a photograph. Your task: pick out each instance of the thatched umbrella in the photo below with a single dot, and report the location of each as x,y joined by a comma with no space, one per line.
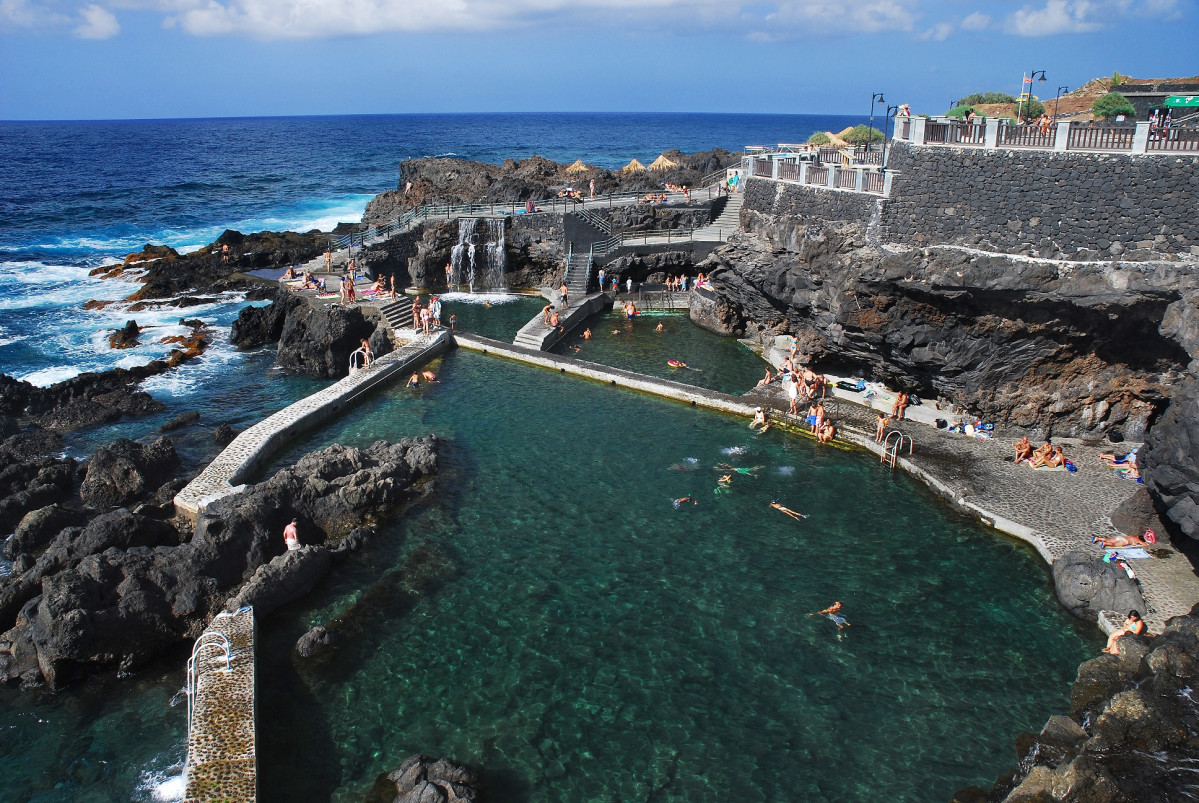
662,163
836,140
578,167
633,167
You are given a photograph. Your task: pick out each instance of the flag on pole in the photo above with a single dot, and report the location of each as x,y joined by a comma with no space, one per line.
1028,80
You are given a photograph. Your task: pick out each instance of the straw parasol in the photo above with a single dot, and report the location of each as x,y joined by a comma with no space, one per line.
836,140
662,163
633,167
578,167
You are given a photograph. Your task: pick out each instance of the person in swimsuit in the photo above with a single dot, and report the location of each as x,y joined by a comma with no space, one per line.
1133,623
760,420
881,425
586,334
413,381
832,612
658,328
786,510
682,500
1023,449
1119,541
367,354
290,537
428,376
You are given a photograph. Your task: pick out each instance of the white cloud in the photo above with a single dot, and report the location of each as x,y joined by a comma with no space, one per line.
1085,16
98,23
17,14
938,33
976,22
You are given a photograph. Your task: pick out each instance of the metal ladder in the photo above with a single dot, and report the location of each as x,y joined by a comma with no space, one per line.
891,449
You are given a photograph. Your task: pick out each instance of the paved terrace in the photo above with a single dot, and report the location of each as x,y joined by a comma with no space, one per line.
222,761
1053,511
249,450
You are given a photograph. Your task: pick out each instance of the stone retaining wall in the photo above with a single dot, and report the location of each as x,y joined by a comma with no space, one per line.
1015,201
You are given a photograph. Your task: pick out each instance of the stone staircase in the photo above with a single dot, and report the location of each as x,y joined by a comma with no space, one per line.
577,281
726,223
398,312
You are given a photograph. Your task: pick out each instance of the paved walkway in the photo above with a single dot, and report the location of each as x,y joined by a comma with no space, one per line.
222,759
1053,511
251,449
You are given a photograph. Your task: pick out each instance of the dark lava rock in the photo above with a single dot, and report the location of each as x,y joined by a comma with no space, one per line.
82,400
1130,732
257,326
286,578
315,640
421,779
126,587
124,471
224,434
38,528
31,443
1086,585
126,337
1169,460
28,485
182,420
317,340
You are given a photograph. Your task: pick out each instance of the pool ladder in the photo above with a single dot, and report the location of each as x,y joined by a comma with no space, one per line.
893,445
209,639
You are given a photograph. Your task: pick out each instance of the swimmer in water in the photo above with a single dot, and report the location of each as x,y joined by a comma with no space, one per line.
429,376
586,334
793,514
658,328
681,364
615,331
752,471
413,381
831,613
682,500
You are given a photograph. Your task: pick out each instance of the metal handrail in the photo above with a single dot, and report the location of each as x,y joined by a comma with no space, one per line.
194,666
891,451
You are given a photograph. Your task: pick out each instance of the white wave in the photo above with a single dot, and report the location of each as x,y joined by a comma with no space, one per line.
8,341
46,377
734,450
786,471
166,785
481,298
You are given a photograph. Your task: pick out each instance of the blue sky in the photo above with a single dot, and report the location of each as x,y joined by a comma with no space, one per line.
64,59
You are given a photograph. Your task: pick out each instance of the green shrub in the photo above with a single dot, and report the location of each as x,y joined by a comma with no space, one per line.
1112,104
958,111
1118,79
985,97
819,138
1031,108
860,134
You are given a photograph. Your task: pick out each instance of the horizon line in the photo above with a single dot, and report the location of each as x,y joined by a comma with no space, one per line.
414,114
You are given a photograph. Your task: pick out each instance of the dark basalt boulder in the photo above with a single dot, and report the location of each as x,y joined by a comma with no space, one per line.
317,340
1169,460
1086,585
119,591
421,779
257,326
126,337
32,484
182,420
224,434
1131,727
38,528
124,471
314,641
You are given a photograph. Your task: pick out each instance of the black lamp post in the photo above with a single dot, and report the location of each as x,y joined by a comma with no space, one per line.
1060,91
1031,76
877,97
891,112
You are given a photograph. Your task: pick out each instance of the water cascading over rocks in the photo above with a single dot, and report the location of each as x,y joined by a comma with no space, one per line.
479,269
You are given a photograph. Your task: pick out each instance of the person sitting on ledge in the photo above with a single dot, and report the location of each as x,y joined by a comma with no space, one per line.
1023,449
827,432
1133,623
1042,454
290,273
760,420
766,380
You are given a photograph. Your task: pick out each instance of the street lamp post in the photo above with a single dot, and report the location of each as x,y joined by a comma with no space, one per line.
877,97
891,112
1058,97
1028,79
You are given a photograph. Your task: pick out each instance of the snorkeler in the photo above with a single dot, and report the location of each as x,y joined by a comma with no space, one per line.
793,514
682,500
831,613
751,471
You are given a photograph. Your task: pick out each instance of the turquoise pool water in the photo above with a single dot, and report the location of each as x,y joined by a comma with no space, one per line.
500,321
592,642
712,362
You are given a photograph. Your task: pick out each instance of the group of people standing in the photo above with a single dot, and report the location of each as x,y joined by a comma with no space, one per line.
426,317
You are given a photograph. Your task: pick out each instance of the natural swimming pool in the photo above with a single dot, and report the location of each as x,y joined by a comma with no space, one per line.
592,642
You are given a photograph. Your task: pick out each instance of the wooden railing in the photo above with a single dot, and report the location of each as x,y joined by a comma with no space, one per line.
847,179
818,175
1012,135
1175,139
1115,138
762,168
874,181
789,171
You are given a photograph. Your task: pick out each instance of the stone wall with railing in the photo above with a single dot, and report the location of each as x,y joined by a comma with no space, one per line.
824,169
1000,132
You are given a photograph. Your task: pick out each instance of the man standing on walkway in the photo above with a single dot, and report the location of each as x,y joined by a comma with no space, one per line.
564,291
601,279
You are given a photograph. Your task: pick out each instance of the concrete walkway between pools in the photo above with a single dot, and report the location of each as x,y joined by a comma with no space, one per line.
252,448
1054,511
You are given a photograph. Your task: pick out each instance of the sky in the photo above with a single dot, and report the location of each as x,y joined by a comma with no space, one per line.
126,59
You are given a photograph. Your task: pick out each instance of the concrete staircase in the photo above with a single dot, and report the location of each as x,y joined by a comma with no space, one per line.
398,312
577,280
726,223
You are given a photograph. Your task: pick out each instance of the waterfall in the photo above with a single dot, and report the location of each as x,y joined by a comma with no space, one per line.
465,268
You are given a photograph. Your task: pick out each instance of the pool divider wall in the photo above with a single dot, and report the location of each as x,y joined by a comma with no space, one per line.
222,758
250,450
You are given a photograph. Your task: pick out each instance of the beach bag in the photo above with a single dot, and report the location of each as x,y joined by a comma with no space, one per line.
942,423
914,401
1150,536
1070,466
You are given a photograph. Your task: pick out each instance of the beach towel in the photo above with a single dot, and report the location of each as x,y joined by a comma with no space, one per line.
1130,553
1052,468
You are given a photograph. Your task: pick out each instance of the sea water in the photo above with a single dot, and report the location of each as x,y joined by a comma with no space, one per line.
595,641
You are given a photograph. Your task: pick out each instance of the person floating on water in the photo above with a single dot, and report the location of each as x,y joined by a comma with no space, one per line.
832,613
682,500
723,484
793,514
751,471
